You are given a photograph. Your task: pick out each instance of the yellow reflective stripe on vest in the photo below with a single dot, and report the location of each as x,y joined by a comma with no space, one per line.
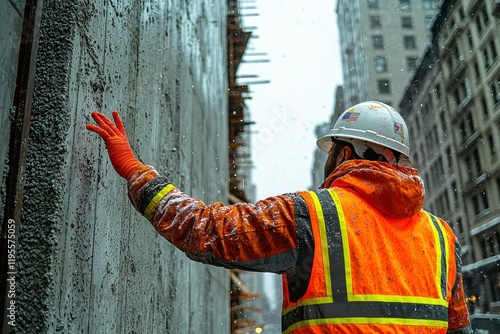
162,193
444,255
363,321
345,307
324,251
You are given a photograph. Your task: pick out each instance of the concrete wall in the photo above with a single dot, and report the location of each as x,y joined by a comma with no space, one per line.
87,261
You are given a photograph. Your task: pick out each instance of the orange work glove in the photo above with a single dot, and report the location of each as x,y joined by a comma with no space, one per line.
121,155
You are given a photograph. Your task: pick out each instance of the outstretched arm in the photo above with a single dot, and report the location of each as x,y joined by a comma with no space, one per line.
260,237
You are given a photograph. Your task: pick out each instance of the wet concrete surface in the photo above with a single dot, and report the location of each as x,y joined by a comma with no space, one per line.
87,261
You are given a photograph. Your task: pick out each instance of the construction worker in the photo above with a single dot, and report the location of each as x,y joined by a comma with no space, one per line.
359,255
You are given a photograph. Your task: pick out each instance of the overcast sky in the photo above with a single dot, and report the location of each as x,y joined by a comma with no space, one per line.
301,42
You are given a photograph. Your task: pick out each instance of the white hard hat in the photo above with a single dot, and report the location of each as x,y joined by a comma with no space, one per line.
372,125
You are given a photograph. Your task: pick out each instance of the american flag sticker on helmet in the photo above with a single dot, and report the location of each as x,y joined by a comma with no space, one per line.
350,116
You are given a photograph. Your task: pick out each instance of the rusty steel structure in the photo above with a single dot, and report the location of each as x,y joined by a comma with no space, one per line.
237,40
242,308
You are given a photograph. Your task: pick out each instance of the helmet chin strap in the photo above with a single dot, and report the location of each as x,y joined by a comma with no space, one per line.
370,154
370,151
374,153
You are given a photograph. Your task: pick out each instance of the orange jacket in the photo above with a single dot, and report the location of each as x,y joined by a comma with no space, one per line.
358,256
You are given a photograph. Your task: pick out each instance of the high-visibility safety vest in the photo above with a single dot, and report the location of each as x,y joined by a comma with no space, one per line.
370,273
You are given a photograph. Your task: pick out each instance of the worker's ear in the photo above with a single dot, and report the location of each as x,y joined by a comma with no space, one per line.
348,153
345,154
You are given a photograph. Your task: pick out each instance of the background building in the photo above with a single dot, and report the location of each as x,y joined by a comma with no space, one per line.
381,41
321,130
453,107
447,86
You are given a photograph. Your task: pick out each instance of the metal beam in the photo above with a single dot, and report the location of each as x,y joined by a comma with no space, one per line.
18,148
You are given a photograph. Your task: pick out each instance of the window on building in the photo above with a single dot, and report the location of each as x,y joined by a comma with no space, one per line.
427,183
493,149
460,226
375,22
466,88
498,186
449,158
456,54
429,4
480,202
463,131
452,24
484,107
406,22
442,119
378,41
465,127
384,86
484,200
469,39
484,15
446,201
479,25
427,108
440,167
473,165
495,90
495,236
449,63
489,247
410,42
493,49
405,5
471,129
482,241
455,193
430,143
428,21
381,64
476,70
435,137
411,63
477,162
461,12
489,54
372,4
461,93
482,19
456,97
493,244
437,88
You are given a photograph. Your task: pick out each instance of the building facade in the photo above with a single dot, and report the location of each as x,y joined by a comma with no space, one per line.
381,42
452,105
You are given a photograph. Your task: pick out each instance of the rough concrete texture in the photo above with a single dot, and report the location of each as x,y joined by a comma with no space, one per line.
10,38
88,263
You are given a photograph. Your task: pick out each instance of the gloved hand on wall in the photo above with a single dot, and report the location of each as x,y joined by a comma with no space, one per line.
121,155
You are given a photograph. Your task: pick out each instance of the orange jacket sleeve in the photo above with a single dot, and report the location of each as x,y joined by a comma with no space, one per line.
458,315
260,237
